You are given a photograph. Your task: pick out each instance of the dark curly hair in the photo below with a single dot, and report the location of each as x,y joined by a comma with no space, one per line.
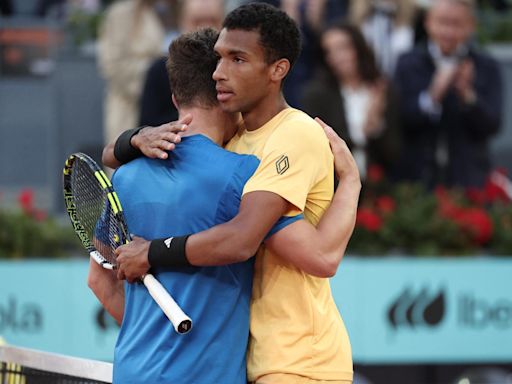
279,34
190,65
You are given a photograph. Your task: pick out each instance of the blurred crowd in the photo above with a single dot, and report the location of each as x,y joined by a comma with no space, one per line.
401,81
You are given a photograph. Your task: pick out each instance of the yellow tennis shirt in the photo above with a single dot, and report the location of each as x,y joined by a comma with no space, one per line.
295,325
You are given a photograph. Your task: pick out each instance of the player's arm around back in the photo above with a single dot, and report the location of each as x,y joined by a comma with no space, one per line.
108,290
238,239
318,251
152,142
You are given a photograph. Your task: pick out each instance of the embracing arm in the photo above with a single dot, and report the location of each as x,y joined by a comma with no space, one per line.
317,251
151,142
238,239
108,290
232,242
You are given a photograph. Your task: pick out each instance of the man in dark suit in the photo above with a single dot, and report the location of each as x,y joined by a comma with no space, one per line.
451,101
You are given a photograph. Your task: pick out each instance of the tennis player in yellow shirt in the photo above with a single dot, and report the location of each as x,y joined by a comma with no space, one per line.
297,334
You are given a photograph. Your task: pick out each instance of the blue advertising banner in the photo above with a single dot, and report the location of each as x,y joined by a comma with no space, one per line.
47,305
397,310
402,310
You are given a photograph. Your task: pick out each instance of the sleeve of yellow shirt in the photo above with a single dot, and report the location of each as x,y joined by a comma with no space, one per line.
293,160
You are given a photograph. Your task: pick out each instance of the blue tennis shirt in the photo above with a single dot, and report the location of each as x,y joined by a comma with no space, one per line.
198,187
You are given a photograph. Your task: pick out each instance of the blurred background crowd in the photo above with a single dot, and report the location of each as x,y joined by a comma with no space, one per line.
420,90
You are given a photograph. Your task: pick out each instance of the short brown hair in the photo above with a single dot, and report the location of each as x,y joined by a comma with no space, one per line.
190,67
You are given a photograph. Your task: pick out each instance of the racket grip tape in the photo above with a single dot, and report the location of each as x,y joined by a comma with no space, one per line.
181,322
96,256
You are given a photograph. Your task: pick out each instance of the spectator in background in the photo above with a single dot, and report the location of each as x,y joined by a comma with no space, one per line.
387,26
156,106
451,101
132,35
354,99
311,16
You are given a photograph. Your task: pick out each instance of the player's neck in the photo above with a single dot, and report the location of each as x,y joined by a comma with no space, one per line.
268,108
210,122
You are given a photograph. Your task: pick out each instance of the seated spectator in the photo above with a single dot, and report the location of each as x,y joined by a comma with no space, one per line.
451,101
354,99
387,26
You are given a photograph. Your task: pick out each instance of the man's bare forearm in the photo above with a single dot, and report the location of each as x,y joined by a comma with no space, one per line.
337,224
108,290
238,239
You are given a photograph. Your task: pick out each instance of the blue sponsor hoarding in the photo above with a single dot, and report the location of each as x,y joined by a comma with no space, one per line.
427,310
397,310
47,305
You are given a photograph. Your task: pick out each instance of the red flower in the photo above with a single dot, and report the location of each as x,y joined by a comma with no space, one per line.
476,196
447,207
368,219
477,223
26,200
375,173
385,204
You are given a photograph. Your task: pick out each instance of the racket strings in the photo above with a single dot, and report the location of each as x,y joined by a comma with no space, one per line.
95,211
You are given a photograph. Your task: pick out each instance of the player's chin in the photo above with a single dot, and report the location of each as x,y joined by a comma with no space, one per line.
228,106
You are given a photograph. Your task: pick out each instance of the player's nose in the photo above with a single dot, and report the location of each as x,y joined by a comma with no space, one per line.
219,73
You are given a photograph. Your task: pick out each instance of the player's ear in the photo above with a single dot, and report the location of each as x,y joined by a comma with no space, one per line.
279,69
175,102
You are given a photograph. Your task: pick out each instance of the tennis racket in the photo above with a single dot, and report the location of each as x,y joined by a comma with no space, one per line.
98,220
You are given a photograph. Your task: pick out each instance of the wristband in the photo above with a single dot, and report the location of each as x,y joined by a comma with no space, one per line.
168,253
124,152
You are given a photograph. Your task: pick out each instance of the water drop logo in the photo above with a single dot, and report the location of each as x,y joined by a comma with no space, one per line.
417,309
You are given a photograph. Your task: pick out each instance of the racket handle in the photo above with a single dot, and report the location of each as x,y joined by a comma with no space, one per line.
181,322
96,256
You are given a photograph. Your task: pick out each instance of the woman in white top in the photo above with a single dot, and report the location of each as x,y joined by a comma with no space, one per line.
352,97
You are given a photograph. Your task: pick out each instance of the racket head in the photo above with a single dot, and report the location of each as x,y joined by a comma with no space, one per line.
94,209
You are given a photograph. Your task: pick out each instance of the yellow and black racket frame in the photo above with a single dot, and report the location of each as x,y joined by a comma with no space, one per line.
103,181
